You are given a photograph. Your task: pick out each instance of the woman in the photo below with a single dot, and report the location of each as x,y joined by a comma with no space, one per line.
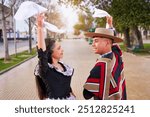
53,77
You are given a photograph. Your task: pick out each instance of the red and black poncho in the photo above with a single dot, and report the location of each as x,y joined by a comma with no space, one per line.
107,71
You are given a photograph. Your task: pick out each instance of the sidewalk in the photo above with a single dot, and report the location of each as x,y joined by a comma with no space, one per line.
19,83
146,41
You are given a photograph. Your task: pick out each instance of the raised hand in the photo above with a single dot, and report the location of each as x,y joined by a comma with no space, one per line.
40,33
109,21
40,20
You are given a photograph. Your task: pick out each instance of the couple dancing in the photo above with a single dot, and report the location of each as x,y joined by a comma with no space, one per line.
106,80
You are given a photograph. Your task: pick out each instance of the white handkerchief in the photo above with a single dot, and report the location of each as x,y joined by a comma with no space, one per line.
100,13
28,9
52,27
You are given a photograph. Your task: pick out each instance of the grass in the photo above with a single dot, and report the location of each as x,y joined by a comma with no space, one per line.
122,46
4,65
145,51
147,46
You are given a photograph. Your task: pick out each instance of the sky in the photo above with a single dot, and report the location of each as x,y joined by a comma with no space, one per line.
69,16
21,26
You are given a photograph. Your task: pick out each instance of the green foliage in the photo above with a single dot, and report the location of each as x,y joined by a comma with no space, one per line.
128,13
76,2
85,22
101,22
71,2
122,46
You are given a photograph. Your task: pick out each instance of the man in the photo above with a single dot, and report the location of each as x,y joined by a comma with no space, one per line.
106,80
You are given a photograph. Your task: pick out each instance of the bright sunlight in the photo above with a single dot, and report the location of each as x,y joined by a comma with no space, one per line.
70,17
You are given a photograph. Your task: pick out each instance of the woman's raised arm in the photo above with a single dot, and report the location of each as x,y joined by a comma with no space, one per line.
40,32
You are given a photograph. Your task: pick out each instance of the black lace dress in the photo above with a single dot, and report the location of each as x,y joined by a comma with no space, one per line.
57,82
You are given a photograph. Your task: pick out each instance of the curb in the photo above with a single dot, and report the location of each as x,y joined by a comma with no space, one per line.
6,70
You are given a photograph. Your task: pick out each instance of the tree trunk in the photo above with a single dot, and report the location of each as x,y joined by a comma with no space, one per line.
139,37
127,38
14,28
146,35
7,57
30,37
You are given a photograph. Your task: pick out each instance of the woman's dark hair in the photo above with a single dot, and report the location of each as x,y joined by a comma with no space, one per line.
41,87
50,43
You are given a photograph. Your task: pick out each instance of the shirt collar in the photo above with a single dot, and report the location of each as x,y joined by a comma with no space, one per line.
107,55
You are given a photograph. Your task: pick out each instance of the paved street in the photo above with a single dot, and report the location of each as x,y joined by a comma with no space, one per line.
19,83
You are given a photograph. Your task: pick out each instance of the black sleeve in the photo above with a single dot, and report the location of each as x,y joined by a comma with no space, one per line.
87,95
43,62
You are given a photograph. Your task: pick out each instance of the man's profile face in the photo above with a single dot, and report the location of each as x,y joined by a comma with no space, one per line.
99,45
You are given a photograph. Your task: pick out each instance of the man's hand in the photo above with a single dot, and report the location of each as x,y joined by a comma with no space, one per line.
109,21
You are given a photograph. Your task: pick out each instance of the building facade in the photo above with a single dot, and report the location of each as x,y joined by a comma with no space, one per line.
9,22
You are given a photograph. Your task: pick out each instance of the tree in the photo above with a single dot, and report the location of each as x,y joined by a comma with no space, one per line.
30,21
5,14
85,22
128,16
131,14
53,16
70,2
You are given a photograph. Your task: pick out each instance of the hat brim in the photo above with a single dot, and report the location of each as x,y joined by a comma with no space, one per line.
92,34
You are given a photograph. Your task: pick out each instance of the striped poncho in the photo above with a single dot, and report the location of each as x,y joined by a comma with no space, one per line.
106,79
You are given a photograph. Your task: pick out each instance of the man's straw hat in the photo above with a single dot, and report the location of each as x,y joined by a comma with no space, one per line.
103,32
